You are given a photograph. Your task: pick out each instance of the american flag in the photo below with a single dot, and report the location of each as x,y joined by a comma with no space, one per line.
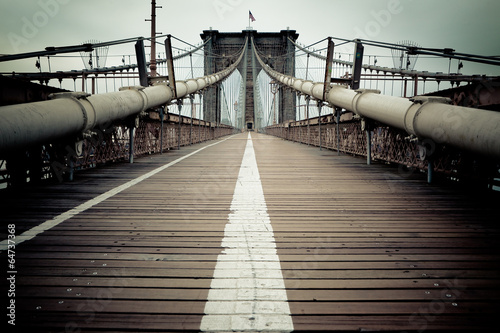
251,16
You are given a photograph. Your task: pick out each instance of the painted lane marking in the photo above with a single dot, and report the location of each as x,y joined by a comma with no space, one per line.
247,292
31,233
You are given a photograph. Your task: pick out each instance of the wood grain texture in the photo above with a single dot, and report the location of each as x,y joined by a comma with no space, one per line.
360,247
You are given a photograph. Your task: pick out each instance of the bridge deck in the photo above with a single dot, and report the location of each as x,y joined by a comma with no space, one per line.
360,247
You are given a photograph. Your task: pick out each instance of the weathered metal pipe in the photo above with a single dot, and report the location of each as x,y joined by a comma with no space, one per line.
425,117
70,114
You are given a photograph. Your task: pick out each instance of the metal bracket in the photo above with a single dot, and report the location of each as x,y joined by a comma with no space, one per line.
159,81
418,103
76,96
426,147
71,94
411,138
328,68
135,121
430,99
356,116
331,106
366,124
79,147
170,64
137,88
359,93
364,91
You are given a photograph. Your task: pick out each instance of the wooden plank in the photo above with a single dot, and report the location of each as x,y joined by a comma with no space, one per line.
418,322
318,265
120,281
104,304
305,257
129,293
307,284
321,247
304,308
390,308
108,322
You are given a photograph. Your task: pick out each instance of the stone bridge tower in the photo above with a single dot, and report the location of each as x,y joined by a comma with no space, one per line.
222,49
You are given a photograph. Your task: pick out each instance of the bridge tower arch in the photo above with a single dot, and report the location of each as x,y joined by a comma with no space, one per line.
222,49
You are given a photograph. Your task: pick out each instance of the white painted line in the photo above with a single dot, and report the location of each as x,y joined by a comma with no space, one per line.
31,233
248,293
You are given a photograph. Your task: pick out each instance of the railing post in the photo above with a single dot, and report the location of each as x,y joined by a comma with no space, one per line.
366,126
199,119
368,148
430,171
338,112
320,105
191,98
308,99
179,106
131,130
426,150
162,112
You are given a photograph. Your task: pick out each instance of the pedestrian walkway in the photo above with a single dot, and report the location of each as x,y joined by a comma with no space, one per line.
253,233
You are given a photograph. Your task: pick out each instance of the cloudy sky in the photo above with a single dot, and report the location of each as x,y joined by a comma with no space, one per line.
469,26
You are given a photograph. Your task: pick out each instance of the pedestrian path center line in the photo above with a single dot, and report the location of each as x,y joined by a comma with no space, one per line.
248,291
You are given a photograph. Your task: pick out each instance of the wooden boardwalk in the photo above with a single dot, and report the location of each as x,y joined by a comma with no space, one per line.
360,247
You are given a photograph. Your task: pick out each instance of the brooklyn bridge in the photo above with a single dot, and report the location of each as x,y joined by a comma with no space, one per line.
250,183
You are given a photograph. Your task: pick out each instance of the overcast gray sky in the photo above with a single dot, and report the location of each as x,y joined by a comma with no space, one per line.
470,26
